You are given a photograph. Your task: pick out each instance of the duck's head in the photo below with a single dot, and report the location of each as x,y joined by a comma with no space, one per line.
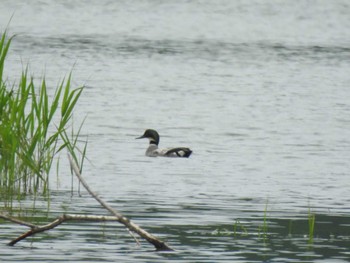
152,135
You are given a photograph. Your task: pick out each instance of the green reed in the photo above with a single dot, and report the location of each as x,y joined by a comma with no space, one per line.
305,227
311,221
264,228
33,129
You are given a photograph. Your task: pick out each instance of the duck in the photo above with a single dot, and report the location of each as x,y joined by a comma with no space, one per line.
154,151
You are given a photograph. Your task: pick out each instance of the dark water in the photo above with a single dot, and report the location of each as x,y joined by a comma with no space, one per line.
258,90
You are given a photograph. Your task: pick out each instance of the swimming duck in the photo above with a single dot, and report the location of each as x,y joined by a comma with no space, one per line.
154,151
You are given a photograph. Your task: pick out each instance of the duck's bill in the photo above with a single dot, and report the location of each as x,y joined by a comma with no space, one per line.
141,137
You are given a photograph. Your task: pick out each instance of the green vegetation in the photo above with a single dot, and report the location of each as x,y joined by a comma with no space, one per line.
239,228
33,129
259,228
311,221
263,230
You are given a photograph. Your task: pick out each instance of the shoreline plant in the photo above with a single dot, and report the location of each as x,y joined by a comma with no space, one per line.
33,130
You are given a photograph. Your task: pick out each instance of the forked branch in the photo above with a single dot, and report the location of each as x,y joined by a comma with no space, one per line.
59,220
132,227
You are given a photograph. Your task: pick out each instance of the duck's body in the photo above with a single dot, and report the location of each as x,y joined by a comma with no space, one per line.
154,151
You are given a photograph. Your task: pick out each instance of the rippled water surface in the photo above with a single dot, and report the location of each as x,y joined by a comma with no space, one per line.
258,89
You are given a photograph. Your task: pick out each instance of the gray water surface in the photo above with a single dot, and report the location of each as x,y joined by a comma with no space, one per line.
258,90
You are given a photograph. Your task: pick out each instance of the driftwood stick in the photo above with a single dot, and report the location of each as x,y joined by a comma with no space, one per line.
17,221
66,217
157,243
38,229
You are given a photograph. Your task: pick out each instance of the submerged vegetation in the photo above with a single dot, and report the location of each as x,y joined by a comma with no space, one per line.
33,129
259,228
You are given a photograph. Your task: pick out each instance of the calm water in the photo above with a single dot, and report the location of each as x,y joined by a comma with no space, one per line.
258,89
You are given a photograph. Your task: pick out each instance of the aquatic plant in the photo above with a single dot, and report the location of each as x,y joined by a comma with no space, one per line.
263,230
311,221
33,129
239,228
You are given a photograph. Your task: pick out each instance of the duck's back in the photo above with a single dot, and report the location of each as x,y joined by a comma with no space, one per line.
178,152
154,151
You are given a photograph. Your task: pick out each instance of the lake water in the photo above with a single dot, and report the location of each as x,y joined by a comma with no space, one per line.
258,89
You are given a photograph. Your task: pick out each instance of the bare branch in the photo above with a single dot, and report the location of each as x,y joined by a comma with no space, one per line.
38,229
158,244
132,227
15,220
66,217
